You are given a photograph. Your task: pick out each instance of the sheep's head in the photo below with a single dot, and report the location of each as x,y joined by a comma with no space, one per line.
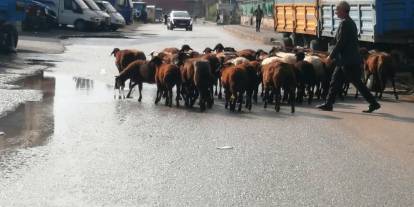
180,58
153,54
219,48
300,56
274,50
156,60
229,49
260,54
116,50
186,48
207,50
119,83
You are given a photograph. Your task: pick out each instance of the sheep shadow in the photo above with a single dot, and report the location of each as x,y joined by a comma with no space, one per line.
388,116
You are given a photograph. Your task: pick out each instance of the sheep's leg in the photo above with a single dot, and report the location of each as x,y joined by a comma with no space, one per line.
277,99
211,97
311,93
317,91
170,95
266,97
233,101
177,98
240,100
158,94
249,96
301,93
131,87
262,93
202,100
219,93
227,98
215,89
210,100
130,90
292,100
140,91
255,94
393,86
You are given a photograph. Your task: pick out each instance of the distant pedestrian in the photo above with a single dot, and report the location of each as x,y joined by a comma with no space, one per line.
348,61
217,16
259,15
165,18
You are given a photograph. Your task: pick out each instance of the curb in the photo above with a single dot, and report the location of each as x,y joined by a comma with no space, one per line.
252,36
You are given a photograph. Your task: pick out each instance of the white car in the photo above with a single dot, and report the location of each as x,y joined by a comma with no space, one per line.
117,20
180,19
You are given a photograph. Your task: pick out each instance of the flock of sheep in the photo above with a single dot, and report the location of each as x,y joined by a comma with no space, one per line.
299,74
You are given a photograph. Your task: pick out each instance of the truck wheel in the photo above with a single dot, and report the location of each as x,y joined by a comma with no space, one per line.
10,35
80,25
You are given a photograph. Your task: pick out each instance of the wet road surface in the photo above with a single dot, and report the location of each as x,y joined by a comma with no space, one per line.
81,147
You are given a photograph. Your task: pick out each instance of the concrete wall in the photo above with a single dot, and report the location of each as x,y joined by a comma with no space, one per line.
267,22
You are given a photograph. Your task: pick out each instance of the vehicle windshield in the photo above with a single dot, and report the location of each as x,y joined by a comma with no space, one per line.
180,14
82,4
91,4
109,7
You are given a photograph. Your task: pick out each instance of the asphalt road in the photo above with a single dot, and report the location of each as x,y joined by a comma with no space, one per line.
81,147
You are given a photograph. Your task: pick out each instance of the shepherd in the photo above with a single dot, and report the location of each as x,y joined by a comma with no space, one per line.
348,60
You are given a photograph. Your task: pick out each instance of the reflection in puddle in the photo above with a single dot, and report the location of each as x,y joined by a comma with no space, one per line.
83,83
33,122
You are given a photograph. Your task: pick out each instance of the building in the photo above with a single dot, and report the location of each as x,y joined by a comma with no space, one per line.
194,7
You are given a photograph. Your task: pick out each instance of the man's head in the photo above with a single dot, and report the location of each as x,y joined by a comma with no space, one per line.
342,9
258,6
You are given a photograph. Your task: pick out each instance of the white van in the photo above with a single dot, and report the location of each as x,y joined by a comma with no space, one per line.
106,18
76,13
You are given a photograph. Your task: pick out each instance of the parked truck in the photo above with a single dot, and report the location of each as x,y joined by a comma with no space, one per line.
383,24
11,12
125,8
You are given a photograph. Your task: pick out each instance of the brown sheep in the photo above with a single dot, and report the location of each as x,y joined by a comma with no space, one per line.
171,50
382,66
234,79
276,76
247,53
195,79
138,72
124,57
306,78
167,76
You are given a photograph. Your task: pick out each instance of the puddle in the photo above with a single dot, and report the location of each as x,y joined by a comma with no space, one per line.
33,122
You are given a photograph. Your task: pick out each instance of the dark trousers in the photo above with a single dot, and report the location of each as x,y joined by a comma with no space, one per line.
353,74
258,23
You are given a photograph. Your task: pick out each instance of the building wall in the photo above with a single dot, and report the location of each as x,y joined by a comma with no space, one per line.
267,22
194,7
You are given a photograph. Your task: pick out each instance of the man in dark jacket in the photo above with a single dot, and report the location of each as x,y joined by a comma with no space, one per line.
259,15
348,60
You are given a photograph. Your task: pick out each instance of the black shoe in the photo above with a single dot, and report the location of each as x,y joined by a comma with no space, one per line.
325,107
372,107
